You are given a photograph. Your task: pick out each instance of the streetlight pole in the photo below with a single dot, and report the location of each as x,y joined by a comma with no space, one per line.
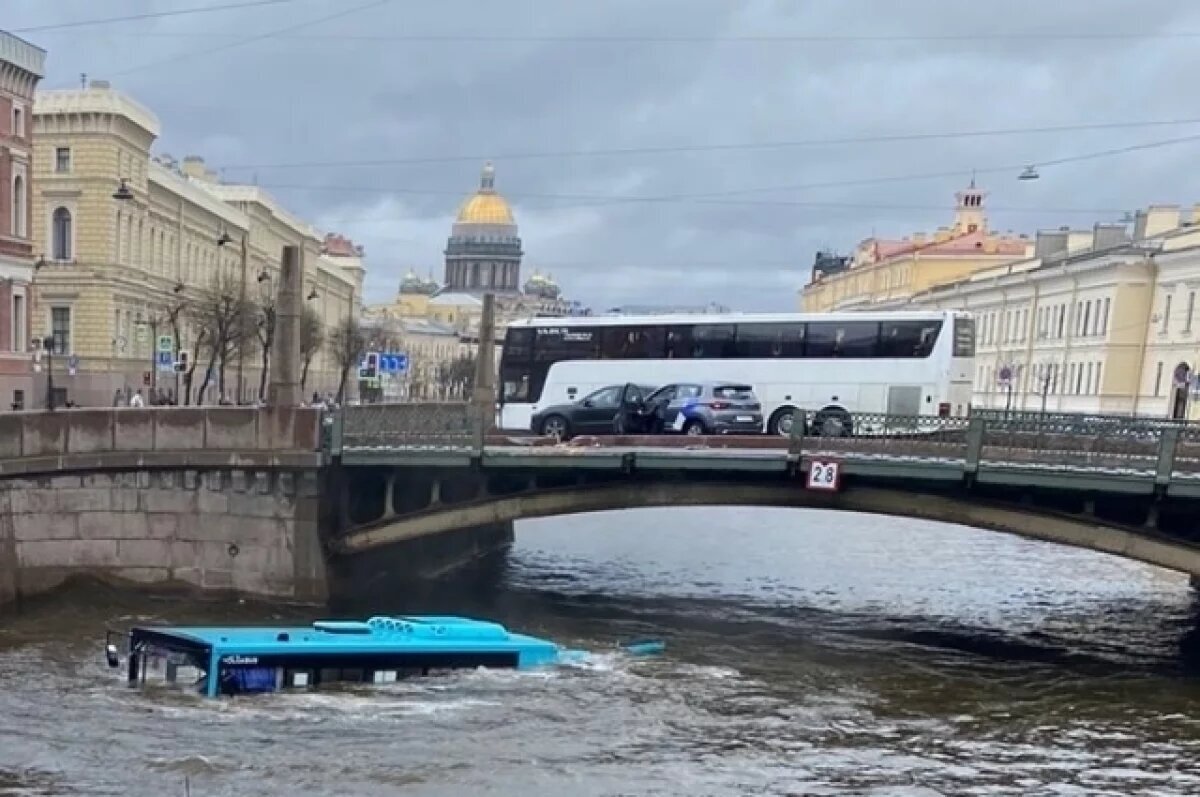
48,346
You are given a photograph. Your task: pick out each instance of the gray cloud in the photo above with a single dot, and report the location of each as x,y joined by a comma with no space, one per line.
313,97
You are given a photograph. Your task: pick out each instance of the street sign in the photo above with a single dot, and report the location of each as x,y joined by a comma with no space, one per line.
164,360
823,475
393,363
166,343
72,364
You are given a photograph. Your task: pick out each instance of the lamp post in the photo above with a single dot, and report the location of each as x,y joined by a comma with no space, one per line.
122,195
48,347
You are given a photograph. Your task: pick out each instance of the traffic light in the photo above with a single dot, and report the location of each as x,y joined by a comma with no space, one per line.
370,366
181,362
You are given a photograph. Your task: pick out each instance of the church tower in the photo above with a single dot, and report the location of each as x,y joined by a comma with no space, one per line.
483,252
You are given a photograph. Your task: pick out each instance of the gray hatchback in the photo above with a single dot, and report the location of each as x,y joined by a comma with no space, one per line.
709,408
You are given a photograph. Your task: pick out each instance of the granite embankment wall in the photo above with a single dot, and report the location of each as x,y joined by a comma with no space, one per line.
219,499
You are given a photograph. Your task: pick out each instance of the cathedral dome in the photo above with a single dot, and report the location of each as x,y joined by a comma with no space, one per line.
485,206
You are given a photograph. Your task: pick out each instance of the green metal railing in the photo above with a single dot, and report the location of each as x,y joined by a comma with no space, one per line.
1138,446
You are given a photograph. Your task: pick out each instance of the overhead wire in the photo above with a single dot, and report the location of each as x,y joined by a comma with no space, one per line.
178,12
209,51
692,148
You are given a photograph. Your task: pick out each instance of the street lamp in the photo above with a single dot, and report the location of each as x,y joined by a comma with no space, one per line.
48,347
312,294
123,193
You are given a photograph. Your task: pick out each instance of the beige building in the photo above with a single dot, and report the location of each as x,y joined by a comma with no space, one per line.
131,243
889,270
1096,321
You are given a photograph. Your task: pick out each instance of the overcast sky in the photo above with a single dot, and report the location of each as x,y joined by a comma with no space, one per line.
325,114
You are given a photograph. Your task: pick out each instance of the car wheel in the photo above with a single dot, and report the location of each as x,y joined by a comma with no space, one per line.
781,422
556,426
693,428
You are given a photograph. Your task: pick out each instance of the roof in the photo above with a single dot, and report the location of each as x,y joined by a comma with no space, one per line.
21,54
976,242
485,206
97,98
457,299
431,632
729,318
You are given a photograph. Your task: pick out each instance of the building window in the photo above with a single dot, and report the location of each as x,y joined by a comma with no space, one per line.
62,159
1158,378
61,234
1097,388
20,206
1191,308
1062,319
1166,318
60,329
18,123
1087,317
19,324
1104,319
1087,385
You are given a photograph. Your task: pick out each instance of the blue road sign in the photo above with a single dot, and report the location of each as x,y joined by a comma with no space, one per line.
392,363
165,360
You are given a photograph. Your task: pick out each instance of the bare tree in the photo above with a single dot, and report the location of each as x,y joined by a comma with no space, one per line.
225,322
457,377
348,342
312,338
264,328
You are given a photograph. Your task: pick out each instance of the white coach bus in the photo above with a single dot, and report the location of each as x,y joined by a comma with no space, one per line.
827,364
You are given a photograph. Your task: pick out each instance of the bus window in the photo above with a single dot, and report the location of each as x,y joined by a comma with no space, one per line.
633,343
849,339
515,364
679,342
770,340
908,338
713,341
964,337
518,344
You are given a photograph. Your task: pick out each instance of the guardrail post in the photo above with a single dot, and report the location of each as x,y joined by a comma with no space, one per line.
975,429
796,434
1168,438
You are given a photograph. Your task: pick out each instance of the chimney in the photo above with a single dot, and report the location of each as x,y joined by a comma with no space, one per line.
1050,243
1106,236
99,84
193,166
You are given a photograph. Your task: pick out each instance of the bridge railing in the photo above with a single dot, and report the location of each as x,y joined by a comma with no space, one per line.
426,424
1025,440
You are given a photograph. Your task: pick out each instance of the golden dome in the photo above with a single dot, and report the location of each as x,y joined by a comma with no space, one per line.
485,206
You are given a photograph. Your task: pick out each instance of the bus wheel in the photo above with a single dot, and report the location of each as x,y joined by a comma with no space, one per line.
833,422
556,426
781,421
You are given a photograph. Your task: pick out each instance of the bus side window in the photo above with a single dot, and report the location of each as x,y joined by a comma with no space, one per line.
679,342
713,341
764,341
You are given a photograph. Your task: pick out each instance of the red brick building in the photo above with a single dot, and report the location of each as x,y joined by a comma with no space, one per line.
21,67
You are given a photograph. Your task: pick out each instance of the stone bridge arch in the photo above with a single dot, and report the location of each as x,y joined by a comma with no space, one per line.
1080,530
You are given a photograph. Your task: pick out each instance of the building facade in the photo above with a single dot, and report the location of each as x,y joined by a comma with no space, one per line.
21,67
886,270
134,247
1097,321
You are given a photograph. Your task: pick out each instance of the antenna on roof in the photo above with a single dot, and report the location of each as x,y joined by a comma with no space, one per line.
83,80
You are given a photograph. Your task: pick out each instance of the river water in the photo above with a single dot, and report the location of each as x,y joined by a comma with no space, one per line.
808,653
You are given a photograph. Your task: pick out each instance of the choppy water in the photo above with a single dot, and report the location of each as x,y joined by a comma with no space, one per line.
808,653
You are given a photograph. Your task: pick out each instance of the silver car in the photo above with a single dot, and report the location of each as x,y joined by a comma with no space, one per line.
695,408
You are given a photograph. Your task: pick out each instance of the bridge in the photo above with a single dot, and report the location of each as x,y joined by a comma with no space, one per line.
295,503
1128,487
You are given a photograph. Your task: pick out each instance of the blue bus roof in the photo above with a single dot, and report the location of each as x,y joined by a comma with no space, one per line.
378,634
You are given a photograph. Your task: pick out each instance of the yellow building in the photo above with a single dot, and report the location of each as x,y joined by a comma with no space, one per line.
130,242
1096,321
885,270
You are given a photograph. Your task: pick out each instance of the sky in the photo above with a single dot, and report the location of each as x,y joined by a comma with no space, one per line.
658,151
